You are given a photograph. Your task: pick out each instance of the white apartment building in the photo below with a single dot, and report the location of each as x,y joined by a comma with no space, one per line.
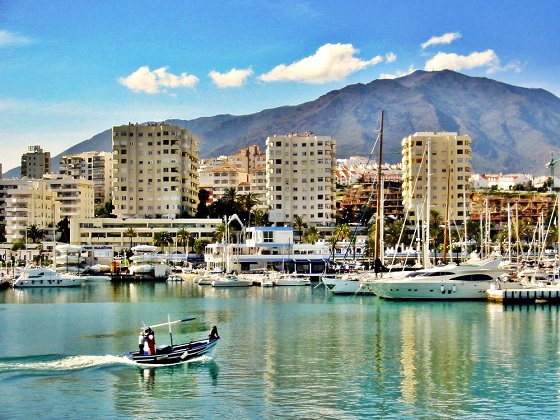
257,182
35,163
443,159
300,178
93,166
155,171
30,203
76,196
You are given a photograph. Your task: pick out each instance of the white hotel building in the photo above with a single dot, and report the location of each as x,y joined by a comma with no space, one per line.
300,178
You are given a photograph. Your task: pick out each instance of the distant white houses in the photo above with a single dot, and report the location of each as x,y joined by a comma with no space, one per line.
504,182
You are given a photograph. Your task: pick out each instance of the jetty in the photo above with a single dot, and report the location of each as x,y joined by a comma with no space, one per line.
524,295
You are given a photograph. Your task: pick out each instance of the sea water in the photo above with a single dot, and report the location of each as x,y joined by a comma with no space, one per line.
285,352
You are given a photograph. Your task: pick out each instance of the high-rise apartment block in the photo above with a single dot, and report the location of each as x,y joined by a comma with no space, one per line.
300,178
93,166
35,163
442,161
154,171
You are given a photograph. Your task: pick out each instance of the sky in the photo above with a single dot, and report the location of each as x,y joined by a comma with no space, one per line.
72,69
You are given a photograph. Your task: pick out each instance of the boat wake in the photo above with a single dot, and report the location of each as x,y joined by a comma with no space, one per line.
58,364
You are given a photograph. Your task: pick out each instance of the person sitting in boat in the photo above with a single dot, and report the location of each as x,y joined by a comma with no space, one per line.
141,342
213,333
151,341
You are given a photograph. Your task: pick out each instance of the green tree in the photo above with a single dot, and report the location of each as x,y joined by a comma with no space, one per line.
105,211
219,234
312,235
246,203
202,210
199,245
163,239
35,233
259,217
130,233
332,241
184,237
299,226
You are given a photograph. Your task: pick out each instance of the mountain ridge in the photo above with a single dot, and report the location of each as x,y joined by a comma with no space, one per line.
513,128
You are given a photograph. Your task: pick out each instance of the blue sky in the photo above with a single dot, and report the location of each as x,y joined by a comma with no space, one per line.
71,69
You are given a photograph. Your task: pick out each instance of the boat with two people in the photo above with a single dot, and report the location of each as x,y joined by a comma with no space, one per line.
149,354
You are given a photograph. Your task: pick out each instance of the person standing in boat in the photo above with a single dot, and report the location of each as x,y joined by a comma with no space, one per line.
141,342
151,341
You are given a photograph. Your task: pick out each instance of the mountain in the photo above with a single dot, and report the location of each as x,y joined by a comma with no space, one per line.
513,129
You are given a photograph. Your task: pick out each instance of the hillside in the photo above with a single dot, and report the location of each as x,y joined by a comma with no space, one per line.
514,129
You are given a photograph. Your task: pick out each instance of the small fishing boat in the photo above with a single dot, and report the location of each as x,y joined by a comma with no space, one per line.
174,277
174,353
231,281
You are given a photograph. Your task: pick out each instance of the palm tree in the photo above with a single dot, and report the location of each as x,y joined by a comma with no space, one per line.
220,232
332,241
35,233
130,233
183,238
163,239
199,245
341,232
299,225
246,202
260,217
312,235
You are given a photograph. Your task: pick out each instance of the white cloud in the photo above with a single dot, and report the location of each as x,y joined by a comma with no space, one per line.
233,78
447,38
398,73
391,57
457,62
144,80
9,39
331,62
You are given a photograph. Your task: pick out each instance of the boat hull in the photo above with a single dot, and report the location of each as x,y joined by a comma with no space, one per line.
180,353
345,286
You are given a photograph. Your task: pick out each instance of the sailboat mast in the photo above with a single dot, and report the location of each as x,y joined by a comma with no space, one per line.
378,218
445,233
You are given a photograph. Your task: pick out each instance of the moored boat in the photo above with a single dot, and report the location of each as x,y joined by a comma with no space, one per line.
231,281
46,277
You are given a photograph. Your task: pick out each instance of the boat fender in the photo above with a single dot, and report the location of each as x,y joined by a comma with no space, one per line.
454,288
442,289
185,355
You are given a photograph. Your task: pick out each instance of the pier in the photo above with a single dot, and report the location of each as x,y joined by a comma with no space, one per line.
537,295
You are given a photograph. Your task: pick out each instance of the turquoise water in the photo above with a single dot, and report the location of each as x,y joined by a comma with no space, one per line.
285,353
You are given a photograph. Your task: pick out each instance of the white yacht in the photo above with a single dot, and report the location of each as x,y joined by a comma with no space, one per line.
46,277
231,281
346,284
290,279
443,282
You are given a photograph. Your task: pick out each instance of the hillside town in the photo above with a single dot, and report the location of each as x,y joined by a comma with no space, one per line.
154,189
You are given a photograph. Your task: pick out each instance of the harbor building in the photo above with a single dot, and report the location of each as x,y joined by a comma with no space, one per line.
93,166
35,163
441,161
155,171
300,179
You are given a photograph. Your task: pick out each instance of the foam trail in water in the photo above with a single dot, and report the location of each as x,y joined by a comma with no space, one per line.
68,363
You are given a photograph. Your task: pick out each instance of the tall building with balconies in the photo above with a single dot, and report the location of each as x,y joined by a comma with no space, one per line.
300,178
155,171
93,166
35,163
30,203
76,196
442,161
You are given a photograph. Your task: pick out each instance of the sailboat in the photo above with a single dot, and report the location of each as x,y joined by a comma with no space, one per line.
350,284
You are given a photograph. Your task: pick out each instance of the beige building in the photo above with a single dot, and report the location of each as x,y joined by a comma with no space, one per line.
300,178
93,166
35,163
449,167
217,179
111,232
30,203
154,171
76,196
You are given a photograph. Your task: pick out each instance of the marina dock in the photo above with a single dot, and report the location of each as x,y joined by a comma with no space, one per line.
536,295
